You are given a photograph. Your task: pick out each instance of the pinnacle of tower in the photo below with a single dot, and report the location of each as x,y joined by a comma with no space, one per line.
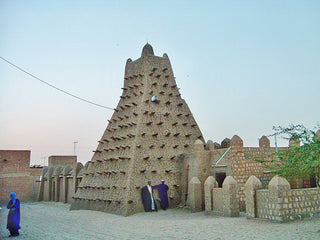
147,51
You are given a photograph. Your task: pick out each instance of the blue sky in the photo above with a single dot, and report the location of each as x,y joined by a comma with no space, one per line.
242,66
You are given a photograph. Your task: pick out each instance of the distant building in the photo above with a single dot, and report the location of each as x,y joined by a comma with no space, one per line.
61,160
16,175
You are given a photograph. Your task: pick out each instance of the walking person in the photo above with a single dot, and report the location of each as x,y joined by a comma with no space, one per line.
13,223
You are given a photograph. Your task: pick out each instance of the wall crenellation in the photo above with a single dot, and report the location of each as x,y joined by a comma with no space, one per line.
230,158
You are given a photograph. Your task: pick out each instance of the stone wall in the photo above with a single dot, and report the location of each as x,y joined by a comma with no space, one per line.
231,158
279,202
222,201
209,185
217,201
194,196
16,175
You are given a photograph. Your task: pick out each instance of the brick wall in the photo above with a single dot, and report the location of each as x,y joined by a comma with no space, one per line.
62,161
237,161
280,203
244,165
17,176
291,205
14,161
264,210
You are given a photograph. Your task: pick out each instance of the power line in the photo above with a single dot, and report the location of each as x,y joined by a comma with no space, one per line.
59,89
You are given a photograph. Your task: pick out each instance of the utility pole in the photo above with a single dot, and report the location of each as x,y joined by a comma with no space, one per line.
74,148
276,145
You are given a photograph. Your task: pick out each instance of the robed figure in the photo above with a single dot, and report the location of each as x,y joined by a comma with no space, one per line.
147,198
13,222
163,194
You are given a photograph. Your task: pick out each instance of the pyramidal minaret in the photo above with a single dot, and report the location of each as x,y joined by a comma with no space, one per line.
149,128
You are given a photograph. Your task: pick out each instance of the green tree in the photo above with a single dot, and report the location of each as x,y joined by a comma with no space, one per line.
301,160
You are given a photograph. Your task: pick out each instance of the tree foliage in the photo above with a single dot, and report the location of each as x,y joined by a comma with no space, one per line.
301,160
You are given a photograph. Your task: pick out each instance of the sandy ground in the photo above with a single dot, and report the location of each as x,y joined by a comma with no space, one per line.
50,220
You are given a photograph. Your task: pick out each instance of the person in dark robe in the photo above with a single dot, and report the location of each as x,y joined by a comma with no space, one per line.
147,198
163,194
13,222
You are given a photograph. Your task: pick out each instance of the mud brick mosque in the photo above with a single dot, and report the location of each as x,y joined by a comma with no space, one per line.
149,128
152,135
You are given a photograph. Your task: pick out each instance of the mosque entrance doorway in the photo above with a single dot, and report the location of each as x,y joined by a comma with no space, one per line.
220,176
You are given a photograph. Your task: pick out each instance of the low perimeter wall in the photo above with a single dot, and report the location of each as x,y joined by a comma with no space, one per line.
279,202
218,201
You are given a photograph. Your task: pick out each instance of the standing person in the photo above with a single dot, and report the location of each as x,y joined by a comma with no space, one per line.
147,198
13,223
163,194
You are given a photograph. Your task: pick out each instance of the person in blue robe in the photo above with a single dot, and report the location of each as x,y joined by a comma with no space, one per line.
13,223
163,194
